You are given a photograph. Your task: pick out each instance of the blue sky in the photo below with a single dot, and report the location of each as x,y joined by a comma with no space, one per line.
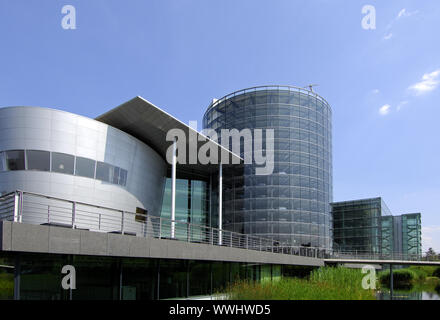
383,84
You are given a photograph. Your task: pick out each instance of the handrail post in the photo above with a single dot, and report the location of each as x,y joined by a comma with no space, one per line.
188,231
231,240
73,214
20,208
16,206
122,222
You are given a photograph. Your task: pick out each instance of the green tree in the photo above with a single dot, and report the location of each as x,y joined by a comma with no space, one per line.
430,254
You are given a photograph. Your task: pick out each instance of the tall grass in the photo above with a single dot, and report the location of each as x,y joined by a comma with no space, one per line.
323,284
6,286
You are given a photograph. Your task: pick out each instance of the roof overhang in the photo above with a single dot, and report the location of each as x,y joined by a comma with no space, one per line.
150,124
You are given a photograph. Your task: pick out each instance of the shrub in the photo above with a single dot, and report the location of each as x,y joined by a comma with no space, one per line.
436,272
401,277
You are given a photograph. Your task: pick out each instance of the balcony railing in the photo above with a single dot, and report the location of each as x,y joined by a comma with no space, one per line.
33,208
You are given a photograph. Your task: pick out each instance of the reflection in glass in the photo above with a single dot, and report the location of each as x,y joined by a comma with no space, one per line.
85,167
14,160
38,160
63,163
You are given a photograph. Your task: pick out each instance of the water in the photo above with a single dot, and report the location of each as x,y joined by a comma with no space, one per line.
410,294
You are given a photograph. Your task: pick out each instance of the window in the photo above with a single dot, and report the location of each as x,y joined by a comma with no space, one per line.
103,171
122,177
85,167
114,174
38,160
14,160
62,163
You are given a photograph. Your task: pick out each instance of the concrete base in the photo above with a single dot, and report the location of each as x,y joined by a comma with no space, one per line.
21,237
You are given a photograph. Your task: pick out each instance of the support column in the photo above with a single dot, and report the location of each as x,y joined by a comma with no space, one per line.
173,189
391,282
17,272
220,203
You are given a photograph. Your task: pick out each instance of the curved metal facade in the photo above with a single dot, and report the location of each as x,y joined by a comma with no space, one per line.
128,173
290,205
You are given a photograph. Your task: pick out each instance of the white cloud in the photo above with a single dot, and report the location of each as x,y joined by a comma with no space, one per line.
376,91
388,36
429,83
384,110
403,13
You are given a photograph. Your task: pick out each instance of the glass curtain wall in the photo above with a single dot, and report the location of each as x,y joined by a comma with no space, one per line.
111,278
357,225
192,206
291,205
412,234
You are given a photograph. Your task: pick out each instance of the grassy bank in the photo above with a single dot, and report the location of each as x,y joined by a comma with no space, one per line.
322,284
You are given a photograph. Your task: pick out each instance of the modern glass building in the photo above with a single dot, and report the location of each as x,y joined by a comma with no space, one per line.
357,225
409,240
102,196
291,205
368,227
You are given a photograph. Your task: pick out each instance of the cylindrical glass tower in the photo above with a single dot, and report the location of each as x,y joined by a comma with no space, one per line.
291,205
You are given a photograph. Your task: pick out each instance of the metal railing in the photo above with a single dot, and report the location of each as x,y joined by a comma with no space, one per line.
358,255
34,208
266,88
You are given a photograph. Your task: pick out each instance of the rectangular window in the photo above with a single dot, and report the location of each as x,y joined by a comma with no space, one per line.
14,160
38,160
114,175
103,171
1,161
122,177
62,163
85,167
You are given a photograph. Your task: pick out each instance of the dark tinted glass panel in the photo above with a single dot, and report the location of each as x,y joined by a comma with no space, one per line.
98,278
38,160
114,171
14,160
104,171
40,277
85,167
62,163
1,161
122,177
